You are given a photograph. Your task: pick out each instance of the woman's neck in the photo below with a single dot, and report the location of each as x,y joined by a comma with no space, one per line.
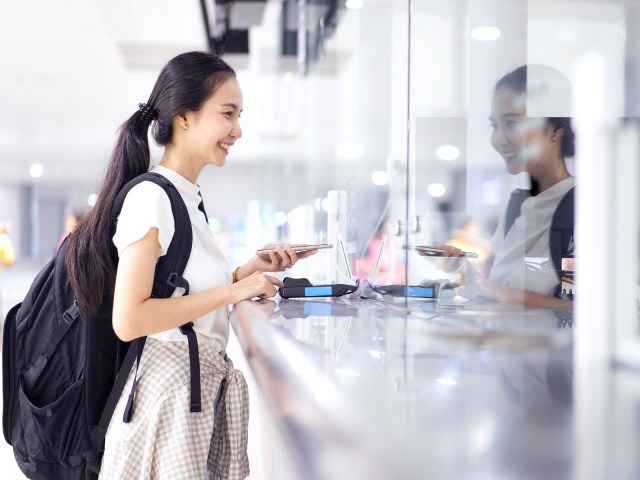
540,181
182,163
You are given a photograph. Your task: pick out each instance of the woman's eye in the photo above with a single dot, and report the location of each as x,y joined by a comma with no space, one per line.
228,114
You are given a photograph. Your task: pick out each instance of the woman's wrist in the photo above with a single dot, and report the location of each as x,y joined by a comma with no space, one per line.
243,271
234,275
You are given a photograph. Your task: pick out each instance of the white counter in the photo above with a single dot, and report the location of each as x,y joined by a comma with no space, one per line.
364,390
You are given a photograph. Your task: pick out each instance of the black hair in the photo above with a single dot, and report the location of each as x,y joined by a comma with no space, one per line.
517,80
183,85
79,213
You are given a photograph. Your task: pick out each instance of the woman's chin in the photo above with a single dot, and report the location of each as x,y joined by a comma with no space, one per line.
219,162
514,167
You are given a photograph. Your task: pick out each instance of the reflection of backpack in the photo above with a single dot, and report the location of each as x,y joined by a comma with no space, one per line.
561,243
63,375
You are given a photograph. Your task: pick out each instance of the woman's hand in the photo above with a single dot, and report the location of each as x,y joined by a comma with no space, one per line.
449,264
278,260
282,257
447,251
255,285
483,287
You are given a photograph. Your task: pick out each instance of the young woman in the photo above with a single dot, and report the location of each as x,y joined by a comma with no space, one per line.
194,108
537,145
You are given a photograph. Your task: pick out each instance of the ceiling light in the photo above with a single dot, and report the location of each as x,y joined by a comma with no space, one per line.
36,170
436,190
450,382
354,4
447,152
379,177
485,33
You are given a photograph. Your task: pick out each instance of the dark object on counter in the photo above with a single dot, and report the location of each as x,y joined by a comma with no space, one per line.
302,287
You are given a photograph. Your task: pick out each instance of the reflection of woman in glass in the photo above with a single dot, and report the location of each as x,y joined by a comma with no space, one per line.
532,132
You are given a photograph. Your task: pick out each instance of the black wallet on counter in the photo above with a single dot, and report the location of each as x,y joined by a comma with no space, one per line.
301,287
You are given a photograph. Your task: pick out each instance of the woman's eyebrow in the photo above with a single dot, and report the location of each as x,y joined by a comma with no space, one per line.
230,105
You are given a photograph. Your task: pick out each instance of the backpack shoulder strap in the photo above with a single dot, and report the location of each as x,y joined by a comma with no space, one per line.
561,243
518,196
168,276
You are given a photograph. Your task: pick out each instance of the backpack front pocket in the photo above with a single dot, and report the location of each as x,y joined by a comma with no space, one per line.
54,432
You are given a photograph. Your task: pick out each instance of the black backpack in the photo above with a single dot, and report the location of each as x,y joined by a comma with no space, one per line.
561,242
62,375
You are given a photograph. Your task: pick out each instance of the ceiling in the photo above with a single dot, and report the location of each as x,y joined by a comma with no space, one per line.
71,72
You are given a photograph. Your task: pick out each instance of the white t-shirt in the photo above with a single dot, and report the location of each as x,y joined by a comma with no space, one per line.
522,257
146,206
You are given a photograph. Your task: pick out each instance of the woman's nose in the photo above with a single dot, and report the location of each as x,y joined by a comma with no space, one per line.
236,131
498,137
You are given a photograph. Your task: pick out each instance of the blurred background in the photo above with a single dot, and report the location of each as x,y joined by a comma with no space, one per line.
330,117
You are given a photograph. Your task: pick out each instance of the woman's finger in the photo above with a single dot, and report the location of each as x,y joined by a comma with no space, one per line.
293,256
275,281
283,259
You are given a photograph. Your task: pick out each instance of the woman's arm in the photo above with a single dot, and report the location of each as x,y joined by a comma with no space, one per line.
136,314
488,289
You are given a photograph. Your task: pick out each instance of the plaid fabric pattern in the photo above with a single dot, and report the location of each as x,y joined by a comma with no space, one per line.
164,440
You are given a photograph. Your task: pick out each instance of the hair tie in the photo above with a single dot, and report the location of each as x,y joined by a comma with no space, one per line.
148,113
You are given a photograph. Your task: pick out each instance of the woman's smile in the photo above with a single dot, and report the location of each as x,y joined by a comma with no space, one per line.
225,147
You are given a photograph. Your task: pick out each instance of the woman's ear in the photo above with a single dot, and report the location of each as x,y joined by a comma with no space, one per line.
557,133
182,121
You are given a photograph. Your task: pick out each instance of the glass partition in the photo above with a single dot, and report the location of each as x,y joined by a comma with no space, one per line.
581,61
458,183
327,125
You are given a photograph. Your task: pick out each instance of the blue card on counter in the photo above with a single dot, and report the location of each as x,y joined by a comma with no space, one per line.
303,288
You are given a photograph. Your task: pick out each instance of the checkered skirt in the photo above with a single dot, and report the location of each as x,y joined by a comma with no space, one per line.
164,440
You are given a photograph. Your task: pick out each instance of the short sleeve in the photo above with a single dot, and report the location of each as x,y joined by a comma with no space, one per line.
145,206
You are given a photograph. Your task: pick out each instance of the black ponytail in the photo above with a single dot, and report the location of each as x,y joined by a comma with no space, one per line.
184,85
89,255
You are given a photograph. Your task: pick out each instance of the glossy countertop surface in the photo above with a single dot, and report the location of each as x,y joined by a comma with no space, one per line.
369,390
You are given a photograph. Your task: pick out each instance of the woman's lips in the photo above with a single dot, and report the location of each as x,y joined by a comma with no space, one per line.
225,146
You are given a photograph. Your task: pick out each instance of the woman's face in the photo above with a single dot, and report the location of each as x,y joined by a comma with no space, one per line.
214,128
526,144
